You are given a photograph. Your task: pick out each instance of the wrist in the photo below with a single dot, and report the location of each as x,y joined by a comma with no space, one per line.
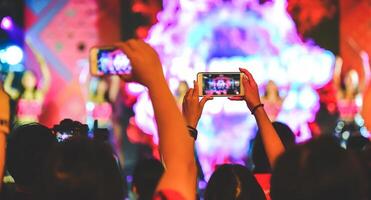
192,124
256,107
193,132
252,105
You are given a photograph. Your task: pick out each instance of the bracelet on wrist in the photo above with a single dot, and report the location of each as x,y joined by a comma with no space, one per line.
4,122
193,132
256,107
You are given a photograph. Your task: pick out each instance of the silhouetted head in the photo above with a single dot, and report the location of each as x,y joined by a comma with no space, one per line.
259,156
27,150
233,181
147,174
319,169
83,168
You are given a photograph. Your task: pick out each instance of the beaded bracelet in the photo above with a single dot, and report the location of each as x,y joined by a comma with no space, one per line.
256,107
193,132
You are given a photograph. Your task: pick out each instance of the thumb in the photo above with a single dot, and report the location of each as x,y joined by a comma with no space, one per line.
245,81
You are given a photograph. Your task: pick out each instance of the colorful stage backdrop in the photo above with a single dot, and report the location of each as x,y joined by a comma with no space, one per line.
207,35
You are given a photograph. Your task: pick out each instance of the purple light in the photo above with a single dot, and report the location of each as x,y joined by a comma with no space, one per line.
7,23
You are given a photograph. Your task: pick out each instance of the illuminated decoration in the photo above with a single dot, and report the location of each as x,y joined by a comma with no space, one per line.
6,23
12,55
196,36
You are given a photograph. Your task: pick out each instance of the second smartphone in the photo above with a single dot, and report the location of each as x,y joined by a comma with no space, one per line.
108,60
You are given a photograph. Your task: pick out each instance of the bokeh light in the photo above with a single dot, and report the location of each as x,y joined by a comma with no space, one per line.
6,23
11,55
207,35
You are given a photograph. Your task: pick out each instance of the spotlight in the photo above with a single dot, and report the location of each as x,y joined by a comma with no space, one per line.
6,23
12,55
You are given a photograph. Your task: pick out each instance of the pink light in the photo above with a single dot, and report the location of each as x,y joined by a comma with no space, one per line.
6,23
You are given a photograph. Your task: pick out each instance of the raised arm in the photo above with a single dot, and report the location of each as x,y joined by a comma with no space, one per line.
44,71
337,75
272,143
192,106
176,145
4,128
14,93
366,70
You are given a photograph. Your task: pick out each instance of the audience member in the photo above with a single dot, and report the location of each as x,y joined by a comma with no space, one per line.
259,157
176,145
357,143
319,169
4,127
147,174
233,181
192,109
82,168
27,150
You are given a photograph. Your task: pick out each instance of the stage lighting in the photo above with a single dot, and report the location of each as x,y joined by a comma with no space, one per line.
6,23
12,55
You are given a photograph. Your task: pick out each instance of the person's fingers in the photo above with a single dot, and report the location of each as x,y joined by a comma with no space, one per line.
187,93
243,70
245,81
132,44
125,48
235,98
144,45
250,78
196,89
191,90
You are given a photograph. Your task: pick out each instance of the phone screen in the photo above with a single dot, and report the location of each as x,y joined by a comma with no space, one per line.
110,61
223,84
62,136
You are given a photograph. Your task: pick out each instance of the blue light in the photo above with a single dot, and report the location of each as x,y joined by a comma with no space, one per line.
12,55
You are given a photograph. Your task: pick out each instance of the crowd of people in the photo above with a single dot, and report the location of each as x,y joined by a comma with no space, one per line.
81,166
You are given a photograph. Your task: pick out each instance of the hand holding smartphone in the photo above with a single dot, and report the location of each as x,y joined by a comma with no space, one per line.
108,60
220,84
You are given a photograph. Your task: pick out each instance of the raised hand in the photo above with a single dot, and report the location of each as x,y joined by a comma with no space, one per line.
251,90
147,68
192,106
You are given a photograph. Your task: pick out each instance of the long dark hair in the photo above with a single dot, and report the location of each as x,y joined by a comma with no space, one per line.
233,181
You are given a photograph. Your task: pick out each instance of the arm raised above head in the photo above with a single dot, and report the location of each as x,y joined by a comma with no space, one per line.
366,70
14,93
176,145
272,143
44,70
337,75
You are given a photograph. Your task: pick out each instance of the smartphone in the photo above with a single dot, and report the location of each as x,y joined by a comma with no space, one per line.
62,136
220,84
108,60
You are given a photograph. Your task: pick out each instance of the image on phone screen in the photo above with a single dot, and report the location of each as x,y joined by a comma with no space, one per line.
221,84
112,61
